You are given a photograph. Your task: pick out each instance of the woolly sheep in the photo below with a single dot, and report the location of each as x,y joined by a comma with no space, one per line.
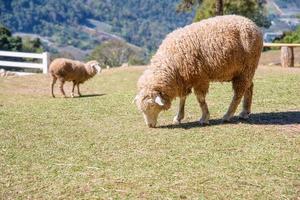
223,48
70,70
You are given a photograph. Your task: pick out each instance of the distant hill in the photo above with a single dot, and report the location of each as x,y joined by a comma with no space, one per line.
85,23
284,15
291,4
284,7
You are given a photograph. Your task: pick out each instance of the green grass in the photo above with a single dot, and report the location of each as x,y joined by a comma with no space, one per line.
98,147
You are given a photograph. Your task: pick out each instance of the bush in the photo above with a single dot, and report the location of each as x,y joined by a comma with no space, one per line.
290,37
116,52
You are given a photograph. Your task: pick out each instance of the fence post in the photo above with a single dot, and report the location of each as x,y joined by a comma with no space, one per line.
287,56
46,61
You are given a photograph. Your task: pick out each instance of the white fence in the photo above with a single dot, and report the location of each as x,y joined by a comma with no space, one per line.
43,56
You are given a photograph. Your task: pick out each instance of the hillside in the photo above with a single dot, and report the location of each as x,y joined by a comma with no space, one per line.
288,4
83,24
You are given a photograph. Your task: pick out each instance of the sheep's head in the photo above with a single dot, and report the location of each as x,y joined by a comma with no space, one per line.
151,104
94,65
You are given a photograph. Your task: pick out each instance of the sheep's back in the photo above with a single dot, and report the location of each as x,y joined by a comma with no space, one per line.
218,47
67,69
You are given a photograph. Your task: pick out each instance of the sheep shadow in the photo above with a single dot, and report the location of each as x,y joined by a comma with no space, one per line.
89,95
272,118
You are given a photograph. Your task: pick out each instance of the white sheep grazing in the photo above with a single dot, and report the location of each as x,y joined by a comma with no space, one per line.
223,48
70,70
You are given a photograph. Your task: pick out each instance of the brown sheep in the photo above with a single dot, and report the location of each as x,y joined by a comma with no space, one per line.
70,70
223,48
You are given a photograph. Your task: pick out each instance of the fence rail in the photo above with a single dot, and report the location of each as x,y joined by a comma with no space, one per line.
281,45
43,56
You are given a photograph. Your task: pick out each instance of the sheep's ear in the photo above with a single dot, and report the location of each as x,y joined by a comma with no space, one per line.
159,101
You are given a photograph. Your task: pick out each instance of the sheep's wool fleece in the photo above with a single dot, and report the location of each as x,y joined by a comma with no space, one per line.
71,70
216,49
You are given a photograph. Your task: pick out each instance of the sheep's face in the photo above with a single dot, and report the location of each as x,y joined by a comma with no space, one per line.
95,65
150,106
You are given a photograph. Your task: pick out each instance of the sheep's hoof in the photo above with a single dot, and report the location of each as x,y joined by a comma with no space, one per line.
203,122
244,115
72,95
176,121
226,118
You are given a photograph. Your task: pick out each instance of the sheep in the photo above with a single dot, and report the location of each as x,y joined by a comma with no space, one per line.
70,70
219,49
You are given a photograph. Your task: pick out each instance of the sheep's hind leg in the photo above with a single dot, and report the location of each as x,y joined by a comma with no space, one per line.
72,94
78,89
239,87
247,101
180,113
52,86
200,94
62,82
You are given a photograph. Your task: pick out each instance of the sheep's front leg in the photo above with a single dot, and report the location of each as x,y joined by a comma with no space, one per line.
180,113
200,94
78,89
52,86
72,94
239,86
204,120
62,82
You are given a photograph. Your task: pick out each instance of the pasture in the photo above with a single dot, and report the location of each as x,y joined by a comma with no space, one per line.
98,146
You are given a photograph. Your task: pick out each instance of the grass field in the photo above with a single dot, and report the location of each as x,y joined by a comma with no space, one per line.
98,147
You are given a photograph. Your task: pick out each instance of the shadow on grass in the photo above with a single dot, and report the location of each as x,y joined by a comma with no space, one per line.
90,95
272,118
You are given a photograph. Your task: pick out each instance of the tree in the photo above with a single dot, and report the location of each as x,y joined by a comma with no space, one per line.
290,37
187,5
219,7
253,9
114,53
15,43
4,31
9,42
32,45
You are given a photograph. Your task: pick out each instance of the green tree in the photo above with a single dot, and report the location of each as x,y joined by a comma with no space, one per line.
32,45
11,43
219,7
4,31
291,37
8,42
4,43
187,5
252,9
114,53
15,43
